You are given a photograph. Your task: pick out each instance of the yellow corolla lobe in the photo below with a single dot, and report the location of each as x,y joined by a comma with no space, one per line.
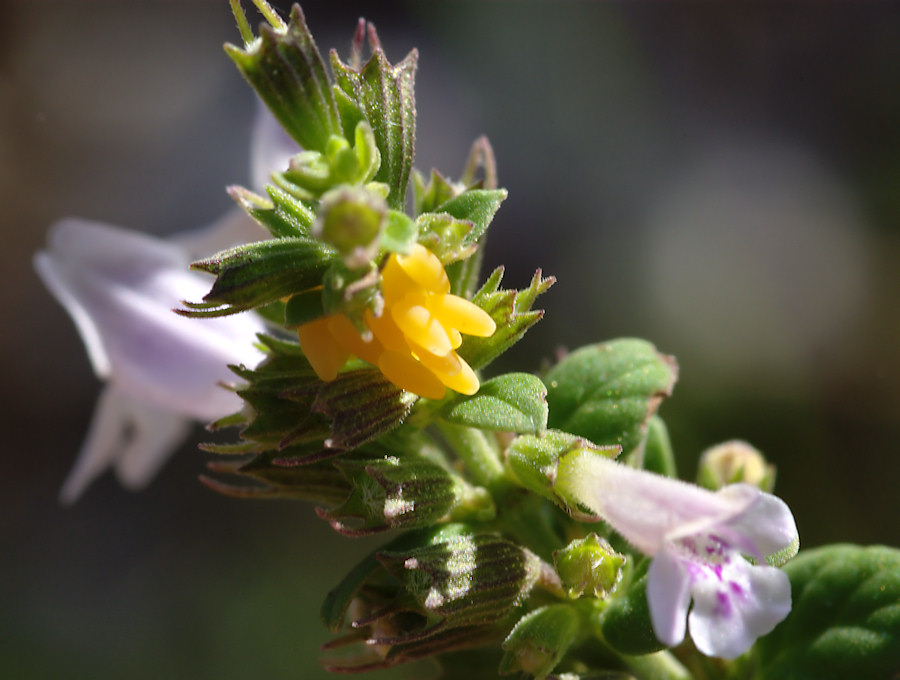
414,340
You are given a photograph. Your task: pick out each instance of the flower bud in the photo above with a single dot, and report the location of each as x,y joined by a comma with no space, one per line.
732,462
589,565
351,220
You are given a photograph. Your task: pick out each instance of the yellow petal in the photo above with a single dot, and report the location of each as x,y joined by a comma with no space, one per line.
322,351
464,382
386,331
454,335
407,373
346,335
396,284
464,316
420,326
447,365
424,267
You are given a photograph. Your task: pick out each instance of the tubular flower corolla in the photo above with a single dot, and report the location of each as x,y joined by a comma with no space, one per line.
414,340
162,371
698,540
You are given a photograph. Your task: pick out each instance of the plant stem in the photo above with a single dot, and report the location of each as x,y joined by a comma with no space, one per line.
475,451
658,666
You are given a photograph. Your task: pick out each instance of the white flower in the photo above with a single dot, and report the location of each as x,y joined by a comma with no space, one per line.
162,370
698,540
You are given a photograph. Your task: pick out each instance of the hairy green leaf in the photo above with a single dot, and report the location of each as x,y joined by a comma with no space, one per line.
514,402
845,621
608,392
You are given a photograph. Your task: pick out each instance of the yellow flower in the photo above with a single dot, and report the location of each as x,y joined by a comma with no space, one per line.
414,341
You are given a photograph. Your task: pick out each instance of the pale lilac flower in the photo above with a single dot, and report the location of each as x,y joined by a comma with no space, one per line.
162,370
698,540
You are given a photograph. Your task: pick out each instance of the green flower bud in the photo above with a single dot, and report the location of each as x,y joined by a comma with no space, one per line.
534,460
732,462
539,640
589,565
351,220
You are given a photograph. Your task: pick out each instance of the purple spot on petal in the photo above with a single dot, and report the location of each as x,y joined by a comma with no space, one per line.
717,570
724,608
735,588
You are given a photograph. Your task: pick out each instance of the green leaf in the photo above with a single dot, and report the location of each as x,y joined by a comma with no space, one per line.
608,392
477,206
510,310
400,233
514,402
438,190
845,621
288,73
259,273
385,93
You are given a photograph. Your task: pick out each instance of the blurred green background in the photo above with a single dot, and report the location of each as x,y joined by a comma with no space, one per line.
723,180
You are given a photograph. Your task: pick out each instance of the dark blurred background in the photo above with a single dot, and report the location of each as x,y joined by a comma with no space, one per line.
723,180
